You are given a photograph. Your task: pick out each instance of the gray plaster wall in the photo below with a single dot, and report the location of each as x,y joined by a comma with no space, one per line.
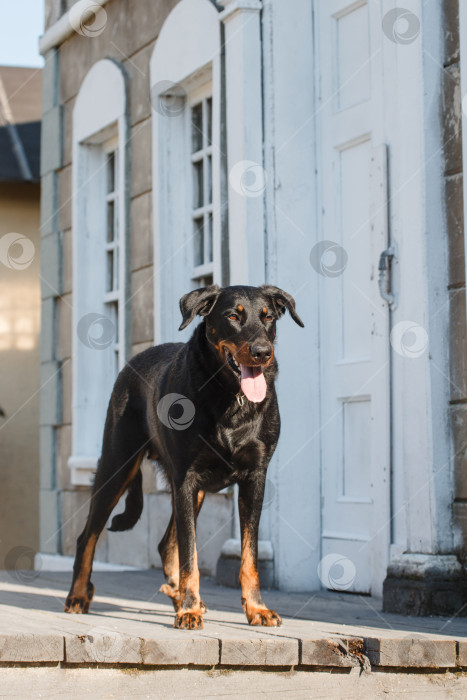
128,38
453,175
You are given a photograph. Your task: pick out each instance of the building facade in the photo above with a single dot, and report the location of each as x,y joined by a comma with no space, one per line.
313,145
20,308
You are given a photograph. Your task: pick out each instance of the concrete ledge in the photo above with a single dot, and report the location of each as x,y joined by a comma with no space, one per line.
131,624
412,653
330,652
259,652
407,596
31,648
101,647
179,651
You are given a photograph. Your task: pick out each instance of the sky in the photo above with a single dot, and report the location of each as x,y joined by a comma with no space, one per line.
21,24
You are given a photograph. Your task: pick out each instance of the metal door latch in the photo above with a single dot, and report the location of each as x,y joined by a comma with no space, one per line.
384,279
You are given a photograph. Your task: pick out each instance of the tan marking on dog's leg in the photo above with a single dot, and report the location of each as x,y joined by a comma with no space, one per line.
190,612
255,610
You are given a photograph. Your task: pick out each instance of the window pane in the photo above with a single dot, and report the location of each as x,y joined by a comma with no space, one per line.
115,154
110,221
198,236
198,184
205,281
209,246
197,128
208,180
110,271
209,120
111,172
116,275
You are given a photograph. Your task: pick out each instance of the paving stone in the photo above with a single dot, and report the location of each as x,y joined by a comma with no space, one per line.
452,131
130,623
51,265
201,651
260,652
47,457
49,404
459,516
67,123
138,71
49,533
455,228
142,305
64,198
411,653
63,452
462,654
50,80
330,652
141,150
141,231
48,330
458,344
51,145
451,30
64,328
66,391
29,647
102,646
67,272
49,200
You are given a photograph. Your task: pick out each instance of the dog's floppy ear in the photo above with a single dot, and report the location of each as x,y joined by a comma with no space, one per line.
282,301
199,301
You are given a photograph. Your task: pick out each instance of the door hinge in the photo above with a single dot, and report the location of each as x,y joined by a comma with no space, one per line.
384,279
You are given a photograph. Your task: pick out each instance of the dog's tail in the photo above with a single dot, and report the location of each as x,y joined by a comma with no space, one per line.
133,506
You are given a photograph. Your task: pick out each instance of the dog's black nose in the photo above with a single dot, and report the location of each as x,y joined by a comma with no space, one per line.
261,352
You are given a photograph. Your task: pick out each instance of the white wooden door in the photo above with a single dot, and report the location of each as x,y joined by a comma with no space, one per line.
352,220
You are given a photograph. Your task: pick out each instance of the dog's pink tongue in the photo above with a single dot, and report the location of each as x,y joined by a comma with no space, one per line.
253,383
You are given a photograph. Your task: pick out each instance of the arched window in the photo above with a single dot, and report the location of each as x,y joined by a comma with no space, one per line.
99,257
188,212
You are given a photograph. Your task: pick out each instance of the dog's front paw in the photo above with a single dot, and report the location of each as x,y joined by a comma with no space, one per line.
189,620
79,603
174,594
263,616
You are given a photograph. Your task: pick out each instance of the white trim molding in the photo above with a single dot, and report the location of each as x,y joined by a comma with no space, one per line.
246,174
63,28
233,6
185,65
99,344
463,67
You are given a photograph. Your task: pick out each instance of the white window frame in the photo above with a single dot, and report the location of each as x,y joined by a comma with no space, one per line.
186,55
114,298
208,268
99,127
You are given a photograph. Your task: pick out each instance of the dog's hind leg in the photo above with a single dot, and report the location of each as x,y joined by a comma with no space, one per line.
118,470
168,549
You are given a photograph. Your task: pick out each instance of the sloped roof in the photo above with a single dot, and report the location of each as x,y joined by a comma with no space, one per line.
20,123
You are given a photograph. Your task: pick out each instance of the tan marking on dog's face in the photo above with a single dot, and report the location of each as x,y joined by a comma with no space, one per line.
240,307
201,495
241,353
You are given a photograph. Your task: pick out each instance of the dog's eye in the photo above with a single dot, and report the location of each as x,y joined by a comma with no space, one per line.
233,317
268,318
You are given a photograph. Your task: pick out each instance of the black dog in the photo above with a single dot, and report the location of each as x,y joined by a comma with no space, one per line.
207,411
